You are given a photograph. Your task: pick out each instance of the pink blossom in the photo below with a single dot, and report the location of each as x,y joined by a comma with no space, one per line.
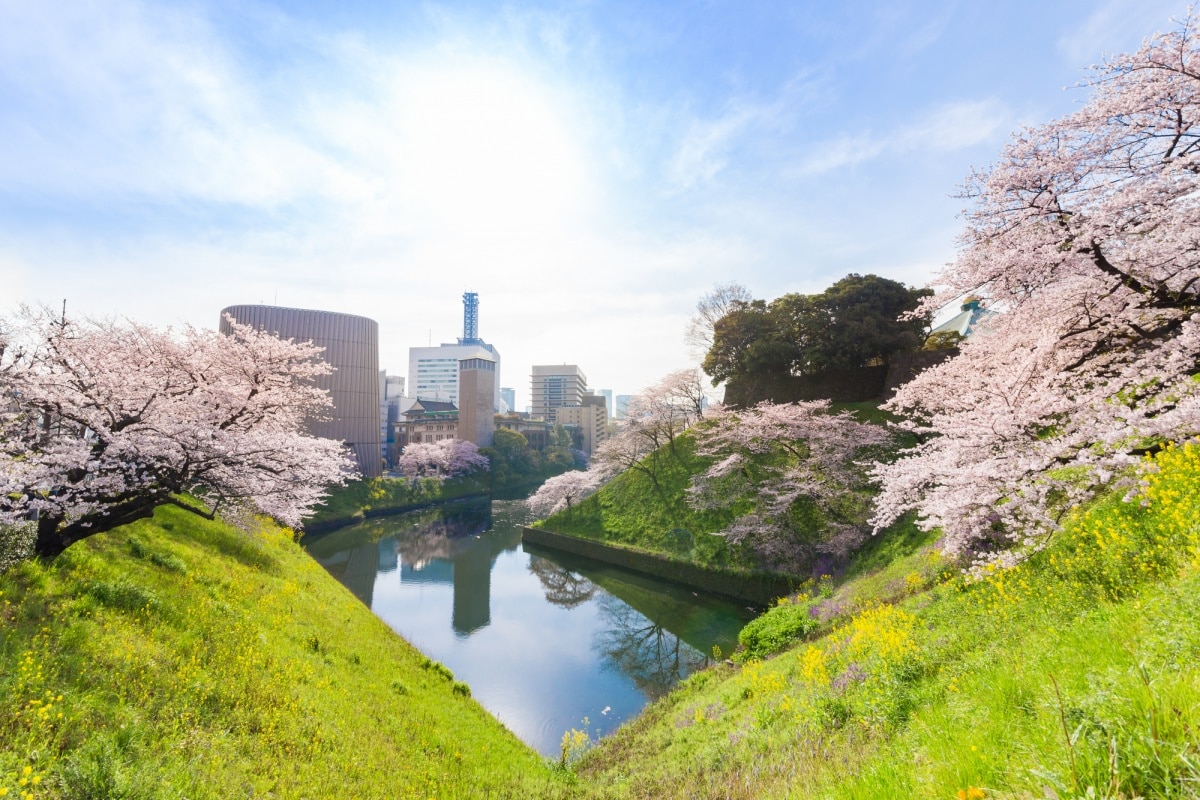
444,459
776,455
101,422
1086,237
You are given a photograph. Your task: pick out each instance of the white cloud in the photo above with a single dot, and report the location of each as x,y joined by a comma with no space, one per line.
943,129
956,126
704,151
845,151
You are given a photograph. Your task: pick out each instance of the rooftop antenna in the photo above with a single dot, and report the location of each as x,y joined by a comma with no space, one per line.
470,319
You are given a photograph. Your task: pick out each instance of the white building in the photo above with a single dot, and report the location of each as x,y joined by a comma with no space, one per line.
433,371
555,385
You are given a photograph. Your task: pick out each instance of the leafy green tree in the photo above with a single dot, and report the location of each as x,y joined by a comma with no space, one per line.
513,449
747,341
856,321
853,323
560,437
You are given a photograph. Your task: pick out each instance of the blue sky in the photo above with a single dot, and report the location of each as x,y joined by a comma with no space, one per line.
590,169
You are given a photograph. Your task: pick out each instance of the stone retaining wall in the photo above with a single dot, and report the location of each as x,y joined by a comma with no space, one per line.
755,587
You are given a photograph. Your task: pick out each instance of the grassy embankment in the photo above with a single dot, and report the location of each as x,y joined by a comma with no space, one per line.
633,510
180,658
649,514
1074,674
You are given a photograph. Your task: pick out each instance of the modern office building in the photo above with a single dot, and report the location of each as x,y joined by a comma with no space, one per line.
351,347
556,385
433,371
590,417
509,398
391,405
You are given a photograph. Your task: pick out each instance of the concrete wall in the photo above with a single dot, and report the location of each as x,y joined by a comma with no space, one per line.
352,348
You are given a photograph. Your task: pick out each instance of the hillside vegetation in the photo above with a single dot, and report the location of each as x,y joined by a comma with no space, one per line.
651,508
177,657
633,510
181,658
359,499
1073,674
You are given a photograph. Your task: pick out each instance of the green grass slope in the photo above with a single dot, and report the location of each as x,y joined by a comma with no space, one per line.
179,658
653,515
1074,674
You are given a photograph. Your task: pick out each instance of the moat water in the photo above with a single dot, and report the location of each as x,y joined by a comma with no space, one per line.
545,640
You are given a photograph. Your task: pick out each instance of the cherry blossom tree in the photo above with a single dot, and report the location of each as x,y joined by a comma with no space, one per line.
768,458
445,459
102,422
655,419
563,491
1086,237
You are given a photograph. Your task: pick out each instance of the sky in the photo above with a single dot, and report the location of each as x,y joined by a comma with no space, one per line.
590,169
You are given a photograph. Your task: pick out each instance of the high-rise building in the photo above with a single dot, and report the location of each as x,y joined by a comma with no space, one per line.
351,347
391,397
509,396
433,371
554,386
608,400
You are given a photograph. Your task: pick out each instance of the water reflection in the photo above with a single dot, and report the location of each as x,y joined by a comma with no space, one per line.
563,587
653,657
543,639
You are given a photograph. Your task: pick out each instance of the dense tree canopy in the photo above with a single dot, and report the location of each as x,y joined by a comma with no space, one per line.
855,322
1086,235
102,422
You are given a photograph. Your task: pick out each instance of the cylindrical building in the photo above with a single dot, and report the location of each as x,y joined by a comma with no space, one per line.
352,348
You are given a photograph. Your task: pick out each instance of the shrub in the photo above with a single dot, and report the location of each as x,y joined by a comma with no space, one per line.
776,629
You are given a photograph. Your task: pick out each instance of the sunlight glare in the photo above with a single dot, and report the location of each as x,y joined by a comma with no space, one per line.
487,155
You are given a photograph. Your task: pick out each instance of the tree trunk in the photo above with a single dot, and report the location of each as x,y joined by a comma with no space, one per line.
50,541
53,536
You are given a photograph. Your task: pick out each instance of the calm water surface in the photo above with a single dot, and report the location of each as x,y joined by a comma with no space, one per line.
543,639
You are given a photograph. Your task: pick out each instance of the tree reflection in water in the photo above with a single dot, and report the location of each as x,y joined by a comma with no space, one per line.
562,586
653,657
